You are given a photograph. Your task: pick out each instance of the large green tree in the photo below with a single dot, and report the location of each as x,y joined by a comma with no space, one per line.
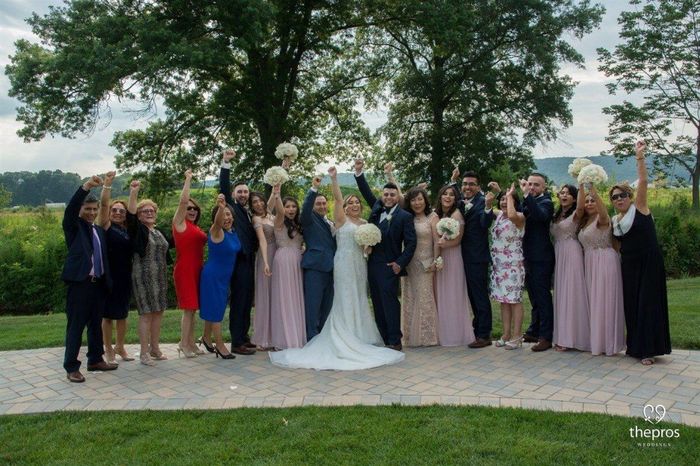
242,73
659,60
475,83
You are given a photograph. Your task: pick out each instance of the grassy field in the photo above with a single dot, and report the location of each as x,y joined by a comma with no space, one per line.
41,331
342,435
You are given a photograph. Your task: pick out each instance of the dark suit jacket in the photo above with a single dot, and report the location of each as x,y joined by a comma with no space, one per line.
78,236
475,241
243,224
537,246
398,237
320,244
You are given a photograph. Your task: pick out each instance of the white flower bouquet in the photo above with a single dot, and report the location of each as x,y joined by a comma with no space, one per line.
286,150
368,235
276,175
448,228
577,165
592,174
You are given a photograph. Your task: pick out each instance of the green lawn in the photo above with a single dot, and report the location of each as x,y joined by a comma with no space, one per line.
42,331
342,435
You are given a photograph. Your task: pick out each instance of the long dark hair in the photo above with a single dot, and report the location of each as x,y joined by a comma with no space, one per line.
438,207
230,209
573,191
294,224
253,195
414,193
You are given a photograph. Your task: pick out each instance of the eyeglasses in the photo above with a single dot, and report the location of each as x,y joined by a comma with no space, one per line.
470,183
147,211
117,210
191,207
617,196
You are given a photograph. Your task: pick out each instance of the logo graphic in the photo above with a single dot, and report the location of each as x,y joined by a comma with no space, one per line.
654,414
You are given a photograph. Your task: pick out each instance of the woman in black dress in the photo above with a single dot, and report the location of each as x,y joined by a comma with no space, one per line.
120,251
643,273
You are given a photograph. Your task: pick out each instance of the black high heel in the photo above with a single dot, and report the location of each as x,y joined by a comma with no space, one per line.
201,342
223,356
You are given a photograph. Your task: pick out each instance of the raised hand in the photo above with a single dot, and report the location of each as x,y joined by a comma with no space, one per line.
316,181
286,163
639,148
229,154
276,189
455,175
359,166
524,186
511,190
135,185
221,201
488,199
422,185
188,174
93,182
333,172
388,168
109,178
494,187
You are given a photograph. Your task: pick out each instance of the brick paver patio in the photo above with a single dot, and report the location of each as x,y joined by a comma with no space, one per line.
34,381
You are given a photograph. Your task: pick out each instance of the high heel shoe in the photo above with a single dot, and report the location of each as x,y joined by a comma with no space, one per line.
187,353
123,354
146,360
514,343
159,356
223,356
110,356
202,341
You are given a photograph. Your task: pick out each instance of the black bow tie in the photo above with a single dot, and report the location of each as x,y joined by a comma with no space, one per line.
387,209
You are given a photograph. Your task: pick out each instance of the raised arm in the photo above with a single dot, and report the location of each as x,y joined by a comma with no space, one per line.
454,179
105,197
338,211
72,213
487,216
279,208
580,203
181,212
603,215
217,227
262,241
513,215
225,175
389,172
362,184
541,211
641,202
307,209
134,188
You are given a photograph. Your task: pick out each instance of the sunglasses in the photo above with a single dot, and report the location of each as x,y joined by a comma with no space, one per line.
617,196
191,207
117,210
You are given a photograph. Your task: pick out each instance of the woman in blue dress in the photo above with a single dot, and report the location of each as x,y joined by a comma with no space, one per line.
216,275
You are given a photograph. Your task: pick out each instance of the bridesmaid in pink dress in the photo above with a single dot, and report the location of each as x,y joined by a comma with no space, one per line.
603,276
264,226
288,326
453,308
571,312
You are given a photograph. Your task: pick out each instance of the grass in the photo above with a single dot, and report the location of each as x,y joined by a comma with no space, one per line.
340,435
43,331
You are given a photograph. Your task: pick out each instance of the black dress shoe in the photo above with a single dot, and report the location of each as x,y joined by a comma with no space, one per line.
75,377
250,345
243,349
480,343
542,345
102,366
395,347
530,339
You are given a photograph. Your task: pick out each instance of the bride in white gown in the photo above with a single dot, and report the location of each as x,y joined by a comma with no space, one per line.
348,338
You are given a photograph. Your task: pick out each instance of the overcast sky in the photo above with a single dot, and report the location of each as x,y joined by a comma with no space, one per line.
92,154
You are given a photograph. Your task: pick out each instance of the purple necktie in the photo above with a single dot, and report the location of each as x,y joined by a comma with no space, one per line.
96,254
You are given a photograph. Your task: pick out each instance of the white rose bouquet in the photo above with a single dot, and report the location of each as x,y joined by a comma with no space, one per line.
286,150
276,175
577,165
367,235
448,228
592,174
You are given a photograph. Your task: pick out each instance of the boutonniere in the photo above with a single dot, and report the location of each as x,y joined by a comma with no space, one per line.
468,206
388,218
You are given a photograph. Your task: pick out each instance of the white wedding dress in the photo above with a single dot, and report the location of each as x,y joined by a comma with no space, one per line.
347,339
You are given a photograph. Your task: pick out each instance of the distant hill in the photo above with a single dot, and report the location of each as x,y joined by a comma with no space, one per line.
556,169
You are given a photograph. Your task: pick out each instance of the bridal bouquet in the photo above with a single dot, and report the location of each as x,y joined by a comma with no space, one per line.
276,175
285,150
448,228
367,235
592,174
577,165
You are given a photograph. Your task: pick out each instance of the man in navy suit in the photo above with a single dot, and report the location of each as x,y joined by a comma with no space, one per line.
86,272
389,258
317,261
243,277
476,255
539,259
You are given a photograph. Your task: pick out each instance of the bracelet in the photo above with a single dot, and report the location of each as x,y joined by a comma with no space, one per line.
106,187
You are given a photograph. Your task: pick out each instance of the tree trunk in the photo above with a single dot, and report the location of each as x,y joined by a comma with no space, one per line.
696,175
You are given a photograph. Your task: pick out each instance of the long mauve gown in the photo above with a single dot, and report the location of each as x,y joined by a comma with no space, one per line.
262,324
604,285
288,326
418,308
571,313
453,307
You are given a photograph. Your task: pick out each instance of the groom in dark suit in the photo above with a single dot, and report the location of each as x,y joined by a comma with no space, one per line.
317,261
388,261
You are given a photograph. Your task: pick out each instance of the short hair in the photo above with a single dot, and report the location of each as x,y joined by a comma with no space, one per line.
146,202
391,185
237,183
541,175
624,187
322,195
470,174
91,199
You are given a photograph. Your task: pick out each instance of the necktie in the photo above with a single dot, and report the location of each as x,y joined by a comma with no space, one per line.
96,254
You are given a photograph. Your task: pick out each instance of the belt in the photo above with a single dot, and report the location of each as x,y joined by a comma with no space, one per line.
94,279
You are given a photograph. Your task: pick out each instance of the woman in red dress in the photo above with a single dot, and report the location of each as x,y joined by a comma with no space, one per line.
189,244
